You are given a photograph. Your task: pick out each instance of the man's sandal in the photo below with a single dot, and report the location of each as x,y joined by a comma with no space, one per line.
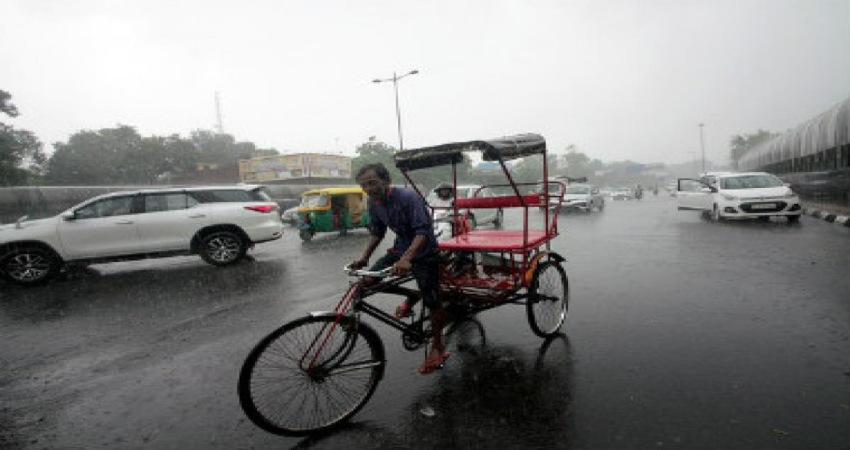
434,361
405,309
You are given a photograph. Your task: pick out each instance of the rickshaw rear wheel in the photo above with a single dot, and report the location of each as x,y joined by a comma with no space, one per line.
305,235
548,299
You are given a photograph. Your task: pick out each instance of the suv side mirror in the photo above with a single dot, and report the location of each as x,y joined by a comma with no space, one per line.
69,216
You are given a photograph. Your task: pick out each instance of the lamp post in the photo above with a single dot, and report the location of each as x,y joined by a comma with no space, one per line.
395,79
702,145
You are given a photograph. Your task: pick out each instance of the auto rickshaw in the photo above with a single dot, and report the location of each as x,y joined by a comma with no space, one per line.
332,209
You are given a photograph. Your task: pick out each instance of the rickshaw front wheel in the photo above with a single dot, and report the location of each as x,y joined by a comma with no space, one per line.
548,299
311,374
305,235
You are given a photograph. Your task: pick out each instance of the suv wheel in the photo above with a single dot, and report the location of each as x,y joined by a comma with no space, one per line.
222,248
30,266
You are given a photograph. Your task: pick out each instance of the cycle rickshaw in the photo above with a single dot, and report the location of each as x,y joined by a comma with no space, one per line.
316,372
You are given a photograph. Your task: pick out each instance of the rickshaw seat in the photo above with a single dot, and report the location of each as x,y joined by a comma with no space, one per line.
495,240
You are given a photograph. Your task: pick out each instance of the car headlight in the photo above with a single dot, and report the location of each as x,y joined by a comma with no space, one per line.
730,198
790,194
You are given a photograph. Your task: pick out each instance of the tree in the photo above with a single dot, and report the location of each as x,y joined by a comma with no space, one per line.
373,152
740,144
6,105
18,148
222,152
110,156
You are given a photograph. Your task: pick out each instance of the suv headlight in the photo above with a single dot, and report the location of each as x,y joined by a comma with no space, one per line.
730,197
790,194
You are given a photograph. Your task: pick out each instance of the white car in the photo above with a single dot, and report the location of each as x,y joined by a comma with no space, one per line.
622,194
582,197
746,195
219,223
290,216
477,216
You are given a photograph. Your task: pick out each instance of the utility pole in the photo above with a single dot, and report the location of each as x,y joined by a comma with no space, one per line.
395,79
702,144
219,125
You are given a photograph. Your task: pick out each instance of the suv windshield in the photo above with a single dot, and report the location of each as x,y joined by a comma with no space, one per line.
750,182
578,190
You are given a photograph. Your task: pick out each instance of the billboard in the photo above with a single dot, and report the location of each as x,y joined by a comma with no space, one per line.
293,167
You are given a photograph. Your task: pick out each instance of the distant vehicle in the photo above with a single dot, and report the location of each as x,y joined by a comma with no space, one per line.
746,195
622,194
582,197
290,216
219,223
332,209
477,216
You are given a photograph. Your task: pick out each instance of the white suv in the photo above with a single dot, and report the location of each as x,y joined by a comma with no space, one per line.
219,223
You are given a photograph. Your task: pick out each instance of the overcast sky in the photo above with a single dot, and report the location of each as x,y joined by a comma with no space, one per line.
618,79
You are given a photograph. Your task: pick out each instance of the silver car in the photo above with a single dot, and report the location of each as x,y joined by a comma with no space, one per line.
582,197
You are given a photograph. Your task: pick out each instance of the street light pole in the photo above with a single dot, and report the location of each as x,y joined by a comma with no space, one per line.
702,145
395,79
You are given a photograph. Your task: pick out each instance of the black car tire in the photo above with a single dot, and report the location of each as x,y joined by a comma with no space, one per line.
30,266
222,248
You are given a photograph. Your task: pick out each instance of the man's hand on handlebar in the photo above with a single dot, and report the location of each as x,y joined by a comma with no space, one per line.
401,268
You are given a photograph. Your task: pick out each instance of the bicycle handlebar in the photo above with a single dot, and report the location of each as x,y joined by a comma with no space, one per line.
368,273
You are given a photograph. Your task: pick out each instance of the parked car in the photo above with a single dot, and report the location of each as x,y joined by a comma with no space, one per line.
582,197
622,194
219,223
739,196
477,216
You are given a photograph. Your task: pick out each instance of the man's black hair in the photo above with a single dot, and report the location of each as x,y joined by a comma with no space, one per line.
380,170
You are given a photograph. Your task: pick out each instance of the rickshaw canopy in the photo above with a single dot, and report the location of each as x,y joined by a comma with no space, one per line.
499,149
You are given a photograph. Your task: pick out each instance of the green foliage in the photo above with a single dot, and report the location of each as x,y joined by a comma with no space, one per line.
740,144
120,156
109,156
18,148
374,151
6,105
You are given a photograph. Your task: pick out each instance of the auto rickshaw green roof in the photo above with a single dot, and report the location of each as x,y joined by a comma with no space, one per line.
335,191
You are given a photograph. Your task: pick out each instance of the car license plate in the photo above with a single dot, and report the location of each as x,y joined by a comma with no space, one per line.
764,206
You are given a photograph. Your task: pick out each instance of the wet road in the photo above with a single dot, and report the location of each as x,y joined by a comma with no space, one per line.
682,333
